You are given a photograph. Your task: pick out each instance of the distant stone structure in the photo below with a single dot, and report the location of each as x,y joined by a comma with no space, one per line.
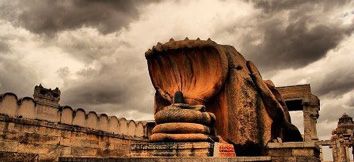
342,139
46,97
40,129
300,98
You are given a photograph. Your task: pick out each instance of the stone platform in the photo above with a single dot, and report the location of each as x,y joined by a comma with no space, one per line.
183,149
294,151
165,159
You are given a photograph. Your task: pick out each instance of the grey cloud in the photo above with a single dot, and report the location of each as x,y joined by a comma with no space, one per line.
51,16
63,72
335,84
331,111
293,35
296,45
351,101
290,34
90,49
116,87
16,78
275,5
4,47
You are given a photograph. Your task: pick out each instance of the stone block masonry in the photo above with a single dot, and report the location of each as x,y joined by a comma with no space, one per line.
294,151
27,127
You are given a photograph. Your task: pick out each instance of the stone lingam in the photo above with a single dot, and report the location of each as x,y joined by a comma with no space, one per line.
207,94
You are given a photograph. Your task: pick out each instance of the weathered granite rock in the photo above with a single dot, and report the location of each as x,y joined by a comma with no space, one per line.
249,111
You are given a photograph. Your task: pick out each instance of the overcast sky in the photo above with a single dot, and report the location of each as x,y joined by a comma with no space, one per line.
94,50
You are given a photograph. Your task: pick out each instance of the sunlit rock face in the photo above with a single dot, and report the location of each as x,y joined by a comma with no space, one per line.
249,111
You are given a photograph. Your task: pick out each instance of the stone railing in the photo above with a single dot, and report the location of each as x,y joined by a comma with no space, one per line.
27,108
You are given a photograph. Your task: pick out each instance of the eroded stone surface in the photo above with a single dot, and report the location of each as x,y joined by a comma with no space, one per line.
294,151
249,112
48,140
181,128
172,149
183,122
179,137
184,115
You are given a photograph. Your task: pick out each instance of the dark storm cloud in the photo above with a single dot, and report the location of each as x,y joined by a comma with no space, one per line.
16,78
113,76
291,34
51,16
275,5
297,44
115,84
90,48
335,83
96,92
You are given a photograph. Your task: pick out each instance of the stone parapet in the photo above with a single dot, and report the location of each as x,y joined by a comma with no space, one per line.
64,127
50,140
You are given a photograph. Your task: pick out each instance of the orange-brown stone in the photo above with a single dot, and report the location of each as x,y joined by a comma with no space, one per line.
158,137
184,115
249,111
182,128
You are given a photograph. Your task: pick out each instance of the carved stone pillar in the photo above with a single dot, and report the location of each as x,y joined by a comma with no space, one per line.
343,155
340,151
310,112
336,152
333,147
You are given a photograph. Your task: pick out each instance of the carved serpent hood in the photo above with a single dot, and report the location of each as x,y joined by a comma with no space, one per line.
196,68
249,111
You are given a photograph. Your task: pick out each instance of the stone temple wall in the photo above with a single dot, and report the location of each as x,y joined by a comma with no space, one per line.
51,132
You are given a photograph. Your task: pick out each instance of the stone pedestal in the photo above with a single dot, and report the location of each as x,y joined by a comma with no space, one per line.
294,151
182,149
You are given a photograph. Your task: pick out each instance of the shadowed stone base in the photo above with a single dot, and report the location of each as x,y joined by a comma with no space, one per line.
180,149
166,159
183,149
294,151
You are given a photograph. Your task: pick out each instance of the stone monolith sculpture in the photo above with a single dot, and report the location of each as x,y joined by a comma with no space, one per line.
181,122
215,82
